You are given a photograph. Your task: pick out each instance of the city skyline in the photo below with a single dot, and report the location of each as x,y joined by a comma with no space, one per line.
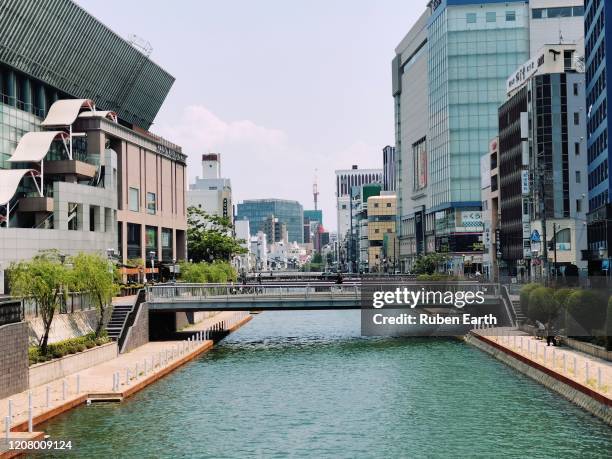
277,114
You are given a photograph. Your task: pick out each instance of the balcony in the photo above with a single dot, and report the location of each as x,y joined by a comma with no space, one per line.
36,204
70,167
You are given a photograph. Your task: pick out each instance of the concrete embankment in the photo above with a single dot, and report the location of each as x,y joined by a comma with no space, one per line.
113,380
594,401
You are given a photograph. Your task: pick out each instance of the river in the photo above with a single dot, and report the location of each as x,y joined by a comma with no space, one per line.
306,384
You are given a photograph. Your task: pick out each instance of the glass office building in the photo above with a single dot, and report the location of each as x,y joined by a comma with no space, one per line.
291,213
473,48
598,42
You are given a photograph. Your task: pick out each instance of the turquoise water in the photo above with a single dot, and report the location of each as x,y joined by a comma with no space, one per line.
306,384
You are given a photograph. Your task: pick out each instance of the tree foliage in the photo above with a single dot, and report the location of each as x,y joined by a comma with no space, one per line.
524,295
202,273
428,264
210,237
46,280
94,274
586,312
542,305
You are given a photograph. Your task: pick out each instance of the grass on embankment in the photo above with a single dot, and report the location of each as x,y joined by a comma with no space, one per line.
66,347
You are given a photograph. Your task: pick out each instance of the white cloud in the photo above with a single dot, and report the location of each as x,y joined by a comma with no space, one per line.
262,162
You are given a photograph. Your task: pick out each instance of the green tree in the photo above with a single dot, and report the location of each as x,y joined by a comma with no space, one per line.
586,312
95,275
210,237
428,264
542,305
317,258
524,295
202,273
46,280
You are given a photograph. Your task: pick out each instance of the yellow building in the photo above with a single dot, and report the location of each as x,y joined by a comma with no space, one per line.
381,221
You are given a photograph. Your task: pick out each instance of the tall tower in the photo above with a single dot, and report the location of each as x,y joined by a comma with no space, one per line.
315,192
211,166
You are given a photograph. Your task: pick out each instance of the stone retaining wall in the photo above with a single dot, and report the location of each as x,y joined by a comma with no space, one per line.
579,397
588,348
65,326
138,333
13,358
43,373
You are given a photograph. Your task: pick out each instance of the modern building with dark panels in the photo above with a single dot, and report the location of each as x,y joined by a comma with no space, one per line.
78,169
54,49
542,171
598,43
291,213
389,168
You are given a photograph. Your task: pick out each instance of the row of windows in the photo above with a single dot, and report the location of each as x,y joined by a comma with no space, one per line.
598,116
598,87
598,201
597,28
490,16
598,175
134,201
557,12
591,11
598,57
599,145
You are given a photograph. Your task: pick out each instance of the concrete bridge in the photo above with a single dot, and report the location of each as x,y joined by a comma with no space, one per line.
286,295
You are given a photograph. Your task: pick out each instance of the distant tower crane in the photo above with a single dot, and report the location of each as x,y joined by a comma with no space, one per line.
315,192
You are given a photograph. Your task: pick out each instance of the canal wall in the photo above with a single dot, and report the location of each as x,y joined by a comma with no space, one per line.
588,348
13,358
587,399
46,372
138,333
65,326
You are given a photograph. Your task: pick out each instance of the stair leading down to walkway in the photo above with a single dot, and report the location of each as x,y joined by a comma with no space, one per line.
121,310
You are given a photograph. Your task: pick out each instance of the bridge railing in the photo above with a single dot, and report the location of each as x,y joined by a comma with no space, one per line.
204,292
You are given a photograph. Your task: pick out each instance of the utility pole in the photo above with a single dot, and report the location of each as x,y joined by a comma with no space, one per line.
544,243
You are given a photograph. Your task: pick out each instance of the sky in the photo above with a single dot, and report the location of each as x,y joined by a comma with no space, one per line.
285,90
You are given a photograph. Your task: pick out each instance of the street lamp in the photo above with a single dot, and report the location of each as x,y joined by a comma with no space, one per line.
152,255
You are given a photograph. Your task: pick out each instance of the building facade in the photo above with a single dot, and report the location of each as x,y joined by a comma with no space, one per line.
410,95
78,169
598,43
211,193
291,213
346,179
381,222
389,168
543,164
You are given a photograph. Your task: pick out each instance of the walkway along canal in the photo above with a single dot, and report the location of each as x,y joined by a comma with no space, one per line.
307,384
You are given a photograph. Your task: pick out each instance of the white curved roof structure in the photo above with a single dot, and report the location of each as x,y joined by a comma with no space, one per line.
100,114
65,112
34,146
9,181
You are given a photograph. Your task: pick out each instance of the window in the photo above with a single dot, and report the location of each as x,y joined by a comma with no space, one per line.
577,176
151,203
575,89
578,205
133,200
388,204
510,16
536,13
577,148
470,18
491,16
343,206
376,205
576,118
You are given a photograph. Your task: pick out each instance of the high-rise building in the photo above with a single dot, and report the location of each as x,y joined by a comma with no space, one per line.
381,222
312,220
543,164
257,211
78,169
410,95
598,43
211,193
389,168
346,179
276,231
473,47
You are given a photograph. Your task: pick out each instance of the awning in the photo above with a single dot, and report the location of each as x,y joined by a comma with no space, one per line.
100,114
65,112
9,182
34,146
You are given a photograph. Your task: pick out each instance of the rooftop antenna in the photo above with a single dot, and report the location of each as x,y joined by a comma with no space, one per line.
141,44
315,191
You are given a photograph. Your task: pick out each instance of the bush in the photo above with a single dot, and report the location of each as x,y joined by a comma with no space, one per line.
586,312
524,295
562,295
67,347
542,305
